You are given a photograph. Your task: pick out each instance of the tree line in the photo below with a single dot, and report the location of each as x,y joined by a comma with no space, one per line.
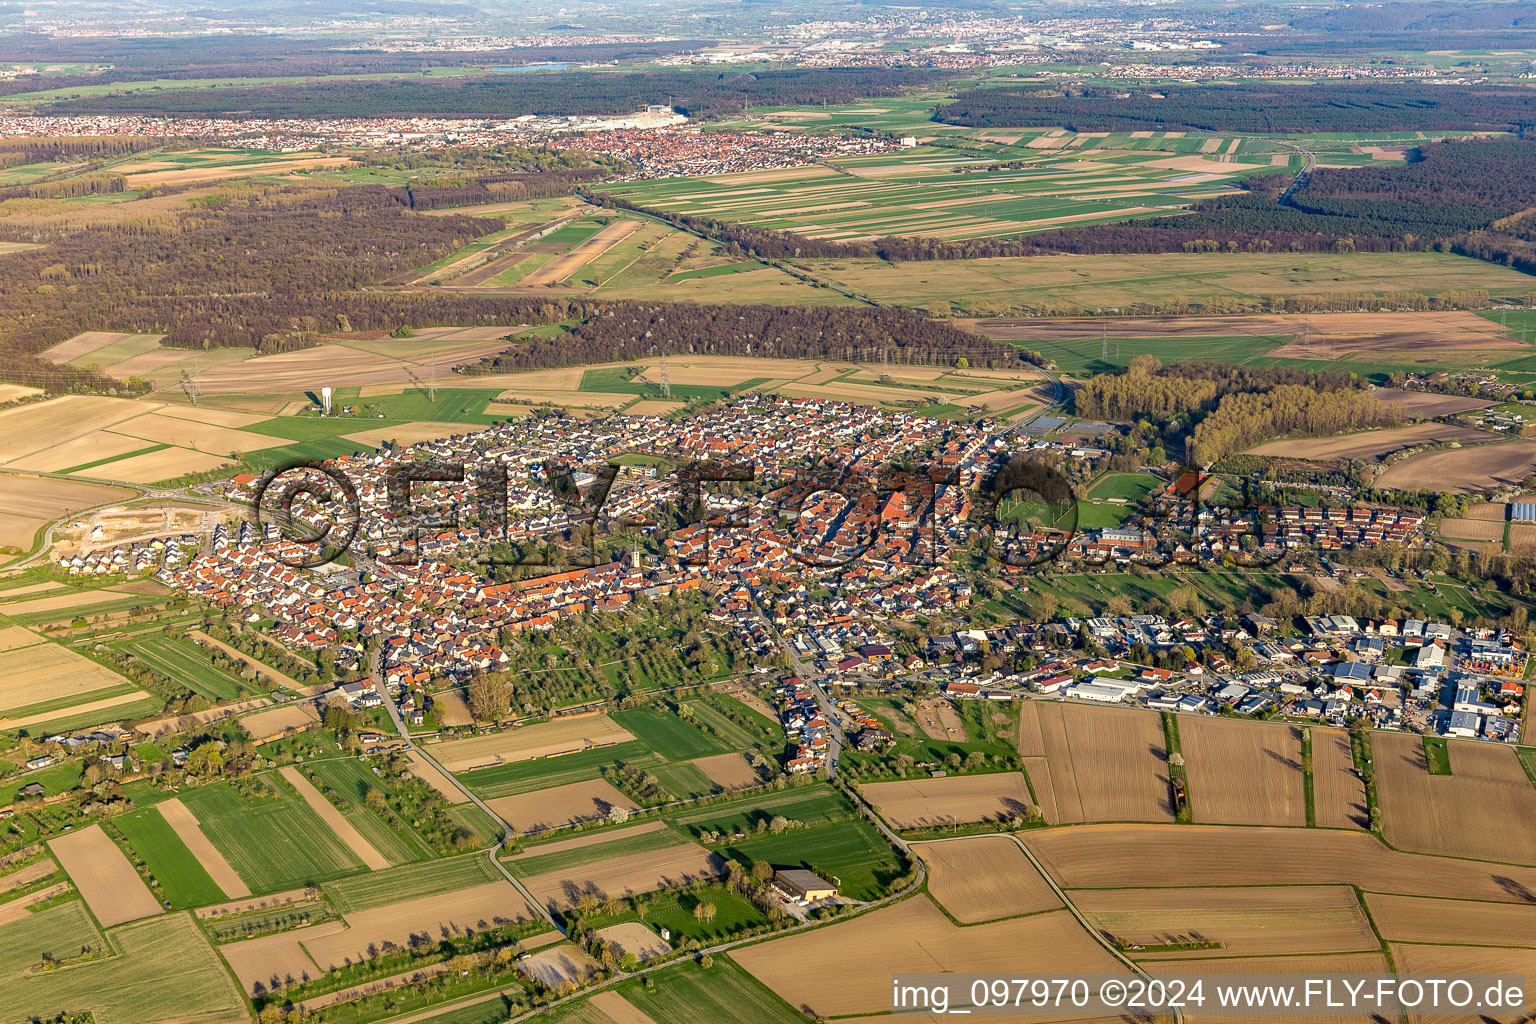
1258,108
634,330
698,93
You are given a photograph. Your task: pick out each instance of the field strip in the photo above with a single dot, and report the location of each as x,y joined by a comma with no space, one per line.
583,254
104,704
270,900
184,823
428,772
27,875
108,883
346,995
580,841
618,1009
332,817
260,668
20,908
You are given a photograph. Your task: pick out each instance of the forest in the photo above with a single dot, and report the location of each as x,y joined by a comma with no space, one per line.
700,94
1225,409
631,330
244,56
1247,107
276,267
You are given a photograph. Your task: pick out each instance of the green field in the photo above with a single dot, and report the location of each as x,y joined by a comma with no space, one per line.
413,881
544,773
1206,282
668,735
187,664
273,841
164,970
850,853
352,782
534,863
183,881
1130,487
689,994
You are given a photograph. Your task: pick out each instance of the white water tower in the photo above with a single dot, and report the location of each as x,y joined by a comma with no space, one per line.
325,399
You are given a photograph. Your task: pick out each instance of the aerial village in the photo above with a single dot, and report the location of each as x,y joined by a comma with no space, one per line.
810,558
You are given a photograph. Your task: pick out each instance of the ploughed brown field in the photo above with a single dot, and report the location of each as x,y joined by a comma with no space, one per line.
560,805
108,882
1095,764
1146,856
622,876
1243,773
1338,794
1241,921
984,878
1447,961
846,969
562,736
1444,330
729,771
1464,470
1451,814
1427,403
1452,922
1371,444
1299,966
924,803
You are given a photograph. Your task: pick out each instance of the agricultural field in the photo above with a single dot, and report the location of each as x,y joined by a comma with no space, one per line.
268,962
587,251
1095,764
1372,444
29,503
558,806
1158,924
984,878
272,838
685,994
1244,773
1465,470
46,678
164,970
1440,814
1115,857
1214,283
164,839
1338,794
826,970
624,875
940,193
525,743
930,803
188,167
106,880
1452,922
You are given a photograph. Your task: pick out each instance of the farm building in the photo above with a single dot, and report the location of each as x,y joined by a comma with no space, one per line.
799,884
1523,512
